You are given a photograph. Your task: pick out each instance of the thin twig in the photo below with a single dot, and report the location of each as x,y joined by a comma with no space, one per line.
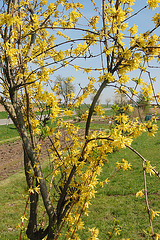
44,214
146,198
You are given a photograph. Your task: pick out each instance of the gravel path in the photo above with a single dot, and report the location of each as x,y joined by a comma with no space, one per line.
5,121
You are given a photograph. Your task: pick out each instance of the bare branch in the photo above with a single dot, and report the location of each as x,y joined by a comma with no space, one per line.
146,197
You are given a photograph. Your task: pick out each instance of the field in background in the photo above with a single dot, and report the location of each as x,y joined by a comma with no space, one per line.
116,200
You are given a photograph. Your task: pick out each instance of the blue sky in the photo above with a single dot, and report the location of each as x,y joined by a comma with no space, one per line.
144,23
143,20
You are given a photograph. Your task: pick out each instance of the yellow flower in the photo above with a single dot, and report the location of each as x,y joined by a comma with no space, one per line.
140,193
36,189
23,218
43,2
104,182
117,231
149,168
124,79
36,131
123,165
154,213
134,29
130,108
51,7
94,234
31,190
153,4
38,179
122,118
98,109
30,171
76,67
157,236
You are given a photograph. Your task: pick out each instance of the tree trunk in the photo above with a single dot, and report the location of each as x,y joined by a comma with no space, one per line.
32,225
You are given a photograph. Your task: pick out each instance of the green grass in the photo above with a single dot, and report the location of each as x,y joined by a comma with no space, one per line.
108,112
11,205
3,115
13,196
8,133
115,200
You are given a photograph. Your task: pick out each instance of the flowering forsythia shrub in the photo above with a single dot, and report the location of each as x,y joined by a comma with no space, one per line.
38,38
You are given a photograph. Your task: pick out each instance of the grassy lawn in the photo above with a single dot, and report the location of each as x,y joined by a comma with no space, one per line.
11,205
3,115
8,133
116,199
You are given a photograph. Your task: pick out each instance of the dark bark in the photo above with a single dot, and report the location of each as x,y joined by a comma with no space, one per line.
91,109
32,225
61,202
52,229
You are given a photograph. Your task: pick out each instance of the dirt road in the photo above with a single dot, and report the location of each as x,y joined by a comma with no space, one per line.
11,157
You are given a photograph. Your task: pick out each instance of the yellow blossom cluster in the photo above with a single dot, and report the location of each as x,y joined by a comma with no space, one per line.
99,110
140,193
153,4
124,165
36,41
149,169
